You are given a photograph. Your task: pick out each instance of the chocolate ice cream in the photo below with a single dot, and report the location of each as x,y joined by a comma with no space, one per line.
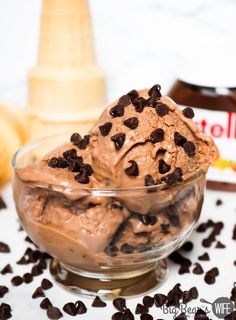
134,183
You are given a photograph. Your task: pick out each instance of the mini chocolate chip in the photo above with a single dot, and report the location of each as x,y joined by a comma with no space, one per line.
157,135
70,309
118,140
235,263
53,162
165,227
80,307
38,293
174,177
189,148
70,154
4,248
75,138
75,164
82,144
200,315
198,269
128,315
179,139
120,304
133,170
27,277
205,225
45,304
7,269
111,250
148,301
155,90
2,204
105,128
3,291
204,257
161,109
181,316
163,167
98,303
5,311
190,295
219,245
62,163
117,111
16,281
133,94
146,316
46,284
139,104
82,177
140,309
187,246
149,181
188,113
234,233
159,299
131,123
36,270
118,316
219,202
54,313
124,101
211,275
127,248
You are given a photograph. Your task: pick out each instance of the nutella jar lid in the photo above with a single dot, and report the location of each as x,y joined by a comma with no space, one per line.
208,62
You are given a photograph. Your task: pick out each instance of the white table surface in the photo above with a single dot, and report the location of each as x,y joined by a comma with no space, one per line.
24,307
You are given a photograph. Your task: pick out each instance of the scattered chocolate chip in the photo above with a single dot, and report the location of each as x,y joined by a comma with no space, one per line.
118,316
190,295
38,293
184,263
161,109
211,275
75,164
219,202
157,135
36,270
70,154
23,260
181,316
204,257
124,101
62,163
85,171
155,90
27,277
140,309
163,167
3,291
120,304
133,94
118,140
75,138
16,281
131,123
70,309
189,148
235,262
4,248
165,227
146,316
204,226
149,181
98,303
219,245
187,246
200,315
188,113
174,296
80,307
2,204
53,162
7,269
159,299
148,301
139,104
198,269
111,250
5,311
117,111
105,128
233,293
234,233
54,313
46,284
128,315
84,142
127,248
174,177
133,170
45,304
179,139
231,316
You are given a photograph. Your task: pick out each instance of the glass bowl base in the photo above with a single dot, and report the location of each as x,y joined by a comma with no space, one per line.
107,286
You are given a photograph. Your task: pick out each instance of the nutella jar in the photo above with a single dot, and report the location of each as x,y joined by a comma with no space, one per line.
208,84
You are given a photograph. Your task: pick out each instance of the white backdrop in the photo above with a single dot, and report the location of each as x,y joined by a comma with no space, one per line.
136,40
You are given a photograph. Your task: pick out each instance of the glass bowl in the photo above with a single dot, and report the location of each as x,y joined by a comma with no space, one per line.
110,242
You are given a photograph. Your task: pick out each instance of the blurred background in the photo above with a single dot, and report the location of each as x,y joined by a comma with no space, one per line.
136,40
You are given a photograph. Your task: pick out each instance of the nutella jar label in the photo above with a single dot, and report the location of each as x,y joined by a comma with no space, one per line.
221,126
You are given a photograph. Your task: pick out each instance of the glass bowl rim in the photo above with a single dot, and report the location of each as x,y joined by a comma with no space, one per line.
163,186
